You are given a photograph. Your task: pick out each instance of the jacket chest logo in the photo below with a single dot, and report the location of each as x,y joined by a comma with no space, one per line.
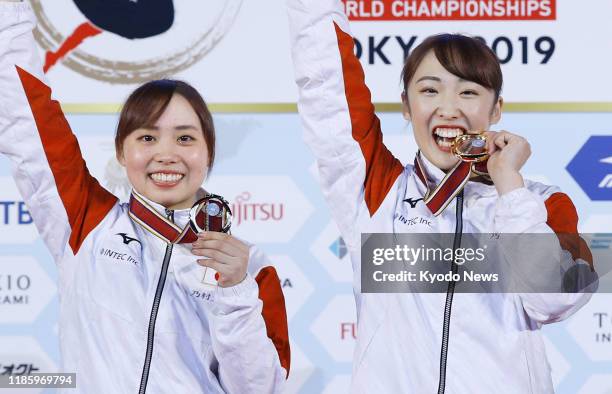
127,239
413,201
413,221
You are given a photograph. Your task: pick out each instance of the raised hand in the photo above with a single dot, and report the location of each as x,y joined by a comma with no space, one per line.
225,254
507,154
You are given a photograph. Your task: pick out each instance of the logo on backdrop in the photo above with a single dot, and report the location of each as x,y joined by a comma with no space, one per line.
16,224
592,167
244,209
25,290
338,248
591,328
264,208
389,10
336,328
128,41
603,326
23,356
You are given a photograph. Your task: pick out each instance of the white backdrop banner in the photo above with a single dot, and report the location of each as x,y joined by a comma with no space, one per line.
238,51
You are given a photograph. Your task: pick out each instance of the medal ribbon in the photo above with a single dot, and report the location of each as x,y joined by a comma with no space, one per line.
453,182
151,220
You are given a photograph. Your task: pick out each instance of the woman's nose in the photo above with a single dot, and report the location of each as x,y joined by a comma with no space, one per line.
165,153
448,108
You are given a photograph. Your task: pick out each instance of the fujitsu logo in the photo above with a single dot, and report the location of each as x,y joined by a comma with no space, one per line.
246,211
348,330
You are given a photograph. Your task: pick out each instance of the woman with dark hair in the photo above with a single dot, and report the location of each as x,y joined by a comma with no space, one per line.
147,304
433,342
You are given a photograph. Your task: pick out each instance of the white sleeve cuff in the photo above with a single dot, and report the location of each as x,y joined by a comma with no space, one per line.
245,289
518,211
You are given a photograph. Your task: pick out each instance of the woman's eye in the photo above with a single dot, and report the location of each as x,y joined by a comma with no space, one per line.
185,138
470,93
429,91
146,138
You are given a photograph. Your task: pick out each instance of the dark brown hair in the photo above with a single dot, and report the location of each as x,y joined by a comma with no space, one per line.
466,57
147,103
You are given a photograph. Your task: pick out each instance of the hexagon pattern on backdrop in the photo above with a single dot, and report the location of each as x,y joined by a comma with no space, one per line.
279,209
25,289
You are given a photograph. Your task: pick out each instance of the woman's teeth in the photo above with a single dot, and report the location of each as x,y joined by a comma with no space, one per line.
448,133
166,178
443,143
445,136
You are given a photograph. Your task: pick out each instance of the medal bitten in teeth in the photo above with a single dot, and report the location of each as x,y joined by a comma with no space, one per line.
446,135
470,147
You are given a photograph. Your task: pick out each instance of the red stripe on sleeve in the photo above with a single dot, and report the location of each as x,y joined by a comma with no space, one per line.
85,201
274,313
563,220
382,168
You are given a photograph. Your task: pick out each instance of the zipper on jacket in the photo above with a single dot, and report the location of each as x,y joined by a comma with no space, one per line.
155,308
449,295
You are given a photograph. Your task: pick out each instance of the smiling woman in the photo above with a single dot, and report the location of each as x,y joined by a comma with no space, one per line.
166,140
136,269
452,87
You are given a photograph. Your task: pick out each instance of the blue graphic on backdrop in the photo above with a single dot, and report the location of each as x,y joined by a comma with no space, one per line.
338,247
591,168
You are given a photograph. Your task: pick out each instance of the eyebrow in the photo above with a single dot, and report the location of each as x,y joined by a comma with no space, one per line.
436,79
429,78
185,127
178,128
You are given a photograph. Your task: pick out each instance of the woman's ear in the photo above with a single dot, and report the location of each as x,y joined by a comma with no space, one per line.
496,111
405,106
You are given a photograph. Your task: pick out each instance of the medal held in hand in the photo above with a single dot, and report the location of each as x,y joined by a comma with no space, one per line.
211,213
470,147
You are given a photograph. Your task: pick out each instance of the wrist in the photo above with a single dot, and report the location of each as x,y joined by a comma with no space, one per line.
245,288
233,281
507,181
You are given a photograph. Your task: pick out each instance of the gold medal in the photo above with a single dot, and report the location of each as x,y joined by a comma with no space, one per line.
471,148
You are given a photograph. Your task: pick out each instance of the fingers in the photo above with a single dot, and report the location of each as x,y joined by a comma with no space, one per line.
490,137
216,255
229,275
222,242
221,246
210,263
504,138
497,140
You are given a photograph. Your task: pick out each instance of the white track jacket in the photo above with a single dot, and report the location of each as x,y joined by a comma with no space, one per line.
495,344
204,339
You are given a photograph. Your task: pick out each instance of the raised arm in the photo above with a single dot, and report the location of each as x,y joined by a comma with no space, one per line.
337,114
65,201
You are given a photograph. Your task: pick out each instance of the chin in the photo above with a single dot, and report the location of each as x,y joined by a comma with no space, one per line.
447,164
443,160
